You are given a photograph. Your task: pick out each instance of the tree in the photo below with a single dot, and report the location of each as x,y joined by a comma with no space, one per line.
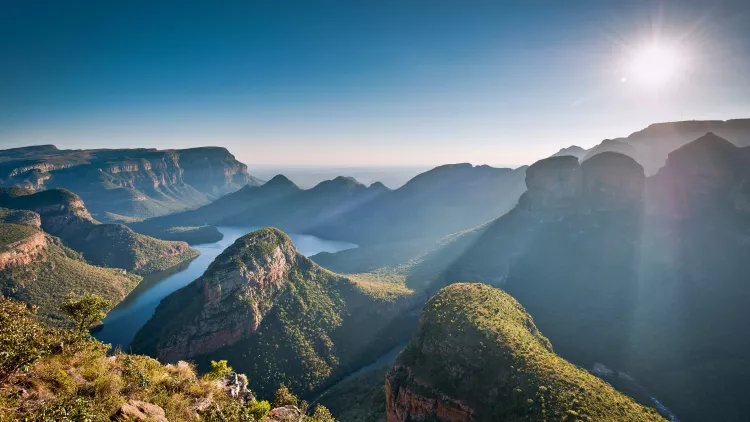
85,310
284,398
322,414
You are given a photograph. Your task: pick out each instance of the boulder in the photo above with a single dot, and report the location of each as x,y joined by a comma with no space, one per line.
235,386
135,410
284,414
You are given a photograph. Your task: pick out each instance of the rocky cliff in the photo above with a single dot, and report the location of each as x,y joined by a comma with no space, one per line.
644,275
63,214
479,357
128,183
276,315
39,270
558,187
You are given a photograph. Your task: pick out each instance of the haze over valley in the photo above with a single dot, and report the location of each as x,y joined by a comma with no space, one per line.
256,212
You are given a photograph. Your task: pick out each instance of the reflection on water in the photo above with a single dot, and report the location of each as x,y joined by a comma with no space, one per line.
131,314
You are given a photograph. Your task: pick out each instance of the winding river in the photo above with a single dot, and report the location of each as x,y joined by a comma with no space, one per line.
124,321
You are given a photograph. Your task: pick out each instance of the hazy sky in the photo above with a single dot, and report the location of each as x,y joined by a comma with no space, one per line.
352,82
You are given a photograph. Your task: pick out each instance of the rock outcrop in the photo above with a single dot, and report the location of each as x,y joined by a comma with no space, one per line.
704,176
479,357
63,214
129,183
272,312
24,251
558,187
136,410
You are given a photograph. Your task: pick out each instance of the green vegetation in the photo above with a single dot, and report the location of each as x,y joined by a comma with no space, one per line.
12,233
86,310
313,326
49,374
63,214
360,399
284,398
46,280
193,235
478,345
20,217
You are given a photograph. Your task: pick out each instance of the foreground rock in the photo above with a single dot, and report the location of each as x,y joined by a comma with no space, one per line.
135,410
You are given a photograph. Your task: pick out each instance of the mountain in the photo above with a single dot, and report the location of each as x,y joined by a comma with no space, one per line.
573,150
127,184
38,269
651,146
275,315
643,276
63,214
479,356
386,224
444,200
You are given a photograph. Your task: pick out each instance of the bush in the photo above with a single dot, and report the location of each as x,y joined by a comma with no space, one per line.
218,369
22,340
284,398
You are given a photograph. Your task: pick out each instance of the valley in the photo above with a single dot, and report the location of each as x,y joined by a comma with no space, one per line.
124,320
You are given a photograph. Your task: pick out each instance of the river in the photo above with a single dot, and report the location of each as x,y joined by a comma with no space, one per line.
124,321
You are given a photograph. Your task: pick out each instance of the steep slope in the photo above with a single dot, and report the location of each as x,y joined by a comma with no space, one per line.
479,356
37,269
125,184
645,276
276,315
64,215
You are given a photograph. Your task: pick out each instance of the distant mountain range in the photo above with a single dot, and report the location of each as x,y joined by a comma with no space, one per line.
443,200
126,184
651,146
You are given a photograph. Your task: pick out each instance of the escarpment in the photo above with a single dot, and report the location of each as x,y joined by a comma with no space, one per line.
275,314
478,356
63,214
127,184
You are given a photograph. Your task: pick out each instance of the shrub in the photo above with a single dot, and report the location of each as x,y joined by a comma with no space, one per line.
218,369
22,339
284,398
321,414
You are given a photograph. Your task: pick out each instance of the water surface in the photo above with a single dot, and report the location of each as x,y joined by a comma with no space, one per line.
124,321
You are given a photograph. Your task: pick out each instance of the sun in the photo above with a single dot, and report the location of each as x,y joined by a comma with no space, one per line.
654,65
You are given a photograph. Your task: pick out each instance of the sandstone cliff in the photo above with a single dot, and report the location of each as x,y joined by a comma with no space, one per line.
274,314
64,215
128,183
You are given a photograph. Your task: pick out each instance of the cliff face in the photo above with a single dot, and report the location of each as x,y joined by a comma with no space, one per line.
63,214
479,357
274,314
648,280
135,183
23,251
559,187
236,296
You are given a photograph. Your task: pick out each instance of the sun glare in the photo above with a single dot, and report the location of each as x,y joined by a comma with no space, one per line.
655,65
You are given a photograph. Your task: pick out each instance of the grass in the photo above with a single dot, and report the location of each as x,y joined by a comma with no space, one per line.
46,281
478,345
12,233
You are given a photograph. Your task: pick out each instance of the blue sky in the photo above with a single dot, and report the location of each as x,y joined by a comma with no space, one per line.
360,82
